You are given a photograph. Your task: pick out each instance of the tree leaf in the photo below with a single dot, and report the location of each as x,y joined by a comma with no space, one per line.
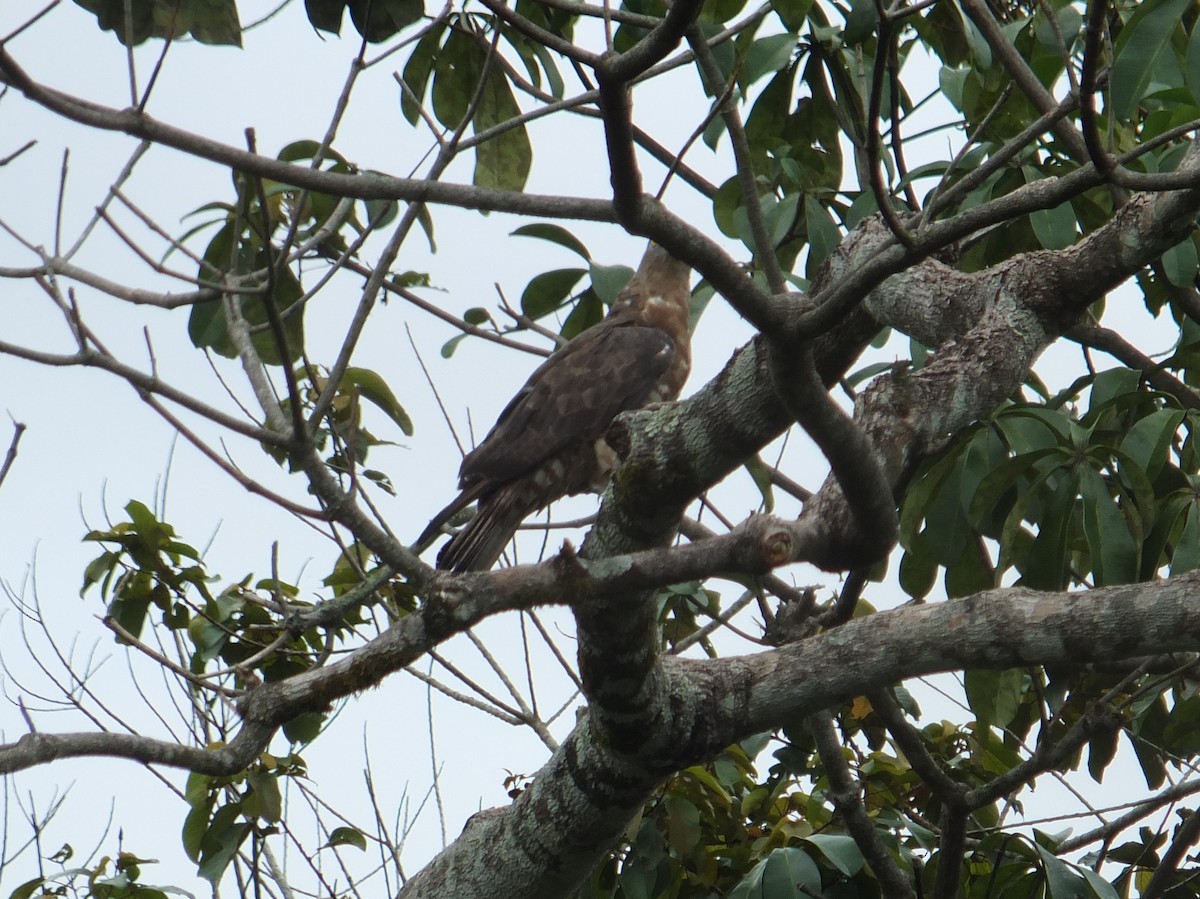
221,841
823,235
1180,263
609,280
1100,887
766,56
265,800
1137,49
347,836
1114,557
549,290
451,345
379,20
325,15
994,696
683,824
759,473
372,387
1054,228
841,850
1192,64
1061,879
456,71
208,21
790,872
1147,443
555,234
918,570
417,71
1187,551
503,161
1102,749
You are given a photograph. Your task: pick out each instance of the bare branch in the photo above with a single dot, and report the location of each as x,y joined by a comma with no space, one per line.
11,456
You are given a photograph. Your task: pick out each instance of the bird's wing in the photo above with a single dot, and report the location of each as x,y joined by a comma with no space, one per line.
573,396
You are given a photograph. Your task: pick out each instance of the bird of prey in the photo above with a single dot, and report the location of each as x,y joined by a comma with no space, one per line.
549,440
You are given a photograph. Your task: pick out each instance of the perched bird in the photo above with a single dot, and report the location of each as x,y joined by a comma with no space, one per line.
549,440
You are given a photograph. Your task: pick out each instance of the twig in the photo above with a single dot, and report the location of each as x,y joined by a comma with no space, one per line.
846,796
11,456
5,160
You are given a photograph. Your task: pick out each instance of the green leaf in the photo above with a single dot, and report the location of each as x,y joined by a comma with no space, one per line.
347,836
860,22
304,728
787,873
823,235
265,801
683,824
1180,263
1102,749
1046,565
781,218
503,161
841,850
766,56
416,73
792,12
1100,887
918,571
952,82
761,475
1192,64
1187,551
555,234
1111,384
198,788
379,20
99,569
208,21
1114,557
994,696
1148,442
550,68
451,345
1070,22
1054,228
325,15
1061,879
372,387
456,72
609,280
588,310
547,291
242,254
221,841
920,495
790,872
195,825
1137,49
26,890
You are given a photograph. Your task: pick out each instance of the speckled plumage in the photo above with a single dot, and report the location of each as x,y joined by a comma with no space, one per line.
548,441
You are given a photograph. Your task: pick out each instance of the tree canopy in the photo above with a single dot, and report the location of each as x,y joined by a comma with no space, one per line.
901,251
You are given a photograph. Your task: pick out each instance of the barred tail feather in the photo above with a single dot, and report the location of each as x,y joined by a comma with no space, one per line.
481,541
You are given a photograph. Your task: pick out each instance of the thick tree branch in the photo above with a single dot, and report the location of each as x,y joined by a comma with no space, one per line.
586,793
